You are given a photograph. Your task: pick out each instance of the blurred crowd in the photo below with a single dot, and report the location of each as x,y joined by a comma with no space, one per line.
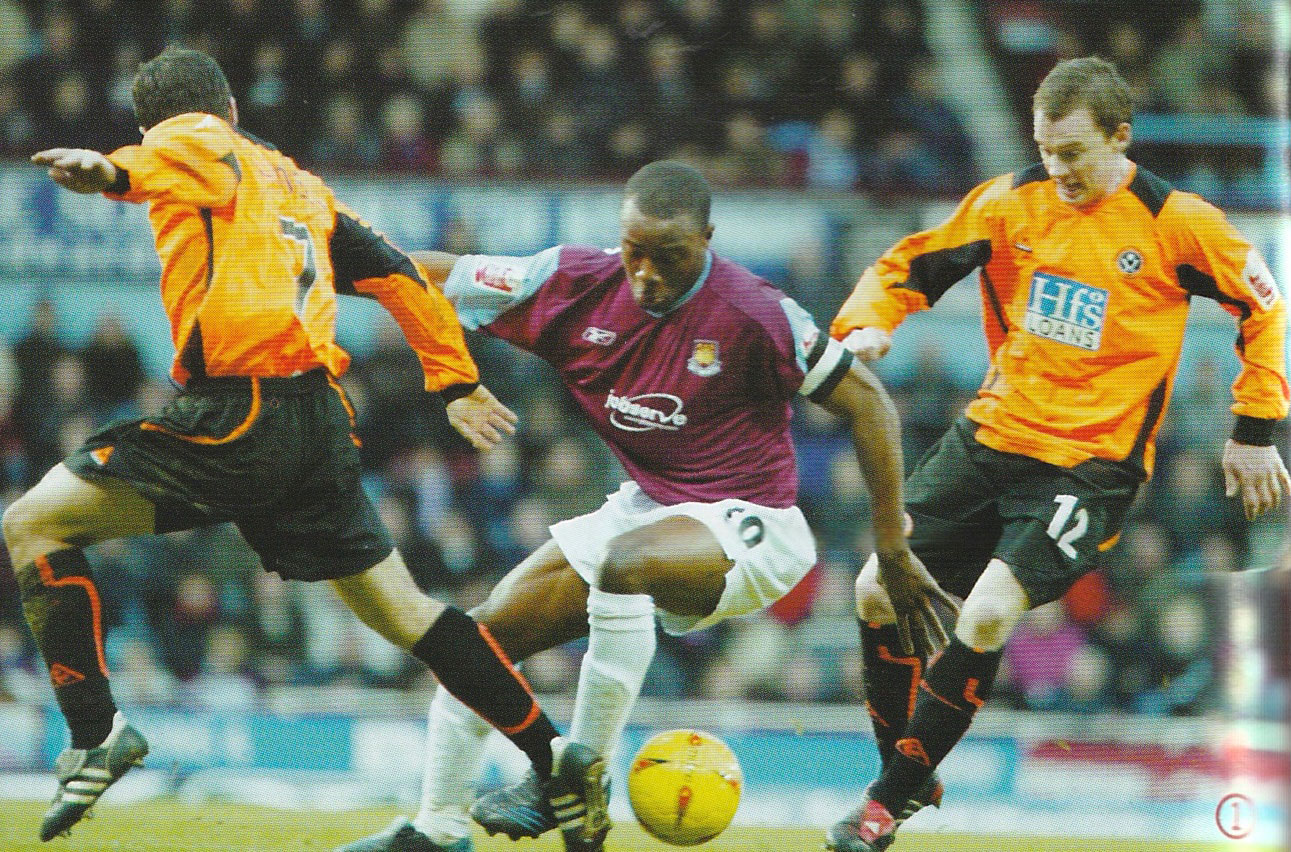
1164,627
822,94
1217,59
818,94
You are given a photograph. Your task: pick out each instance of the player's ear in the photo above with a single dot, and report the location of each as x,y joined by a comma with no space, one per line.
708,231
1123,136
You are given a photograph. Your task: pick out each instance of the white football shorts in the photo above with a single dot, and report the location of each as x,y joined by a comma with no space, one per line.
772,548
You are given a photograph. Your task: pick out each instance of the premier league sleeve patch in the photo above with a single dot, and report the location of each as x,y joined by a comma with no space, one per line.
1067,311
482,287
1259,280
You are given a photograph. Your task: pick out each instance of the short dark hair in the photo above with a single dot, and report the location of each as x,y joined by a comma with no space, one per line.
1086,82
666,189
176,81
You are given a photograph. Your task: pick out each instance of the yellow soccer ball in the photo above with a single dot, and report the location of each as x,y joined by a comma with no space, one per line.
684,786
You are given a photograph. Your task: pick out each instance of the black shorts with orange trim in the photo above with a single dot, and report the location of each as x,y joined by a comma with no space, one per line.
276,456
970,503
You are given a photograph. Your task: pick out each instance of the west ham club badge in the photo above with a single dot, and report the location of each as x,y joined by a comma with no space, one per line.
704,360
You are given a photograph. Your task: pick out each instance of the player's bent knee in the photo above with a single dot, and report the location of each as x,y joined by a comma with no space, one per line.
872,602
626,568
22,523
12,523
985,623
994,607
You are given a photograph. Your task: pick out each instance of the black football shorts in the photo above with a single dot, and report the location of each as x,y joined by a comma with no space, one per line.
970,503
276,456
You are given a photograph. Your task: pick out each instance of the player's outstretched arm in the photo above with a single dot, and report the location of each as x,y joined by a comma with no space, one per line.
1257,474
78,169
435,266
481,419
876,433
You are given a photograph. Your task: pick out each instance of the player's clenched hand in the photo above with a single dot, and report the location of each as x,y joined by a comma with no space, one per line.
868,344
911,589
1257,474
481,419
77,169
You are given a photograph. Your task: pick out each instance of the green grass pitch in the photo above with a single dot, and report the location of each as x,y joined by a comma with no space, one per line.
169,826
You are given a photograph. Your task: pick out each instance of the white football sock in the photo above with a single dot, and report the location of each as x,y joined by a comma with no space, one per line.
620,647
455,741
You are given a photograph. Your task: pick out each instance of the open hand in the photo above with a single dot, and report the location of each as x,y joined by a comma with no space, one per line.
481,419
911,589
1257,474
77,169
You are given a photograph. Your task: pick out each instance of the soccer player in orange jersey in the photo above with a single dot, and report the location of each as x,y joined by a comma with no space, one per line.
1087,266
253,252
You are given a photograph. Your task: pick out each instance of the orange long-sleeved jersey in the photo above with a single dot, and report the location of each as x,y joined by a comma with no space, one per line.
254,250
1084,310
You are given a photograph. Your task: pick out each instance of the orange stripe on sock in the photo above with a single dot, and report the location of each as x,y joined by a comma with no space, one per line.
930,691
970,693
534,710
916,664
96,609
874,714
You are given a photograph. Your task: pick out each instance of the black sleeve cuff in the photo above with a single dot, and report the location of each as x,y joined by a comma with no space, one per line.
458,391
1254,431
121,185
835,377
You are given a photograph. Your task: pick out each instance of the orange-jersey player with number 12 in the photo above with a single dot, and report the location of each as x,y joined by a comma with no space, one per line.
1088,263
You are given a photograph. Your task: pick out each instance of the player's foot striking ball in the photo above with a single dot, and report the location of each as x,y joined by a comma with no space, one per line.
84,773
403,836
575,799
521,810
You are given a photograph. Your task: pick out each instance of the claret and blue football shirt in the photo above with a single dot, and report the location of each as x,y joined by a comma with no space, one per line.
694,401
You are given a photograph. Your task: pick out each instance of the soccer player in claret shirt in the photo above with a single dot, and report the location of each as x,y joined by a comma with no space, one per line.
253,252
685,364
1087,265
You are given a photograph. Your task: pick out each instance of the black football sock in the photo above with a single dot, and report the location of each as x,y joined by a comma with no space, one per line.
956,685
61,605
473,667
891,683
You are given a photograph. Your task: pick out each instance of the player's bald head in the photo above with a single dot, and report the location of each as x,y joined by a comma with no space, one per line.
176,81
666,189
